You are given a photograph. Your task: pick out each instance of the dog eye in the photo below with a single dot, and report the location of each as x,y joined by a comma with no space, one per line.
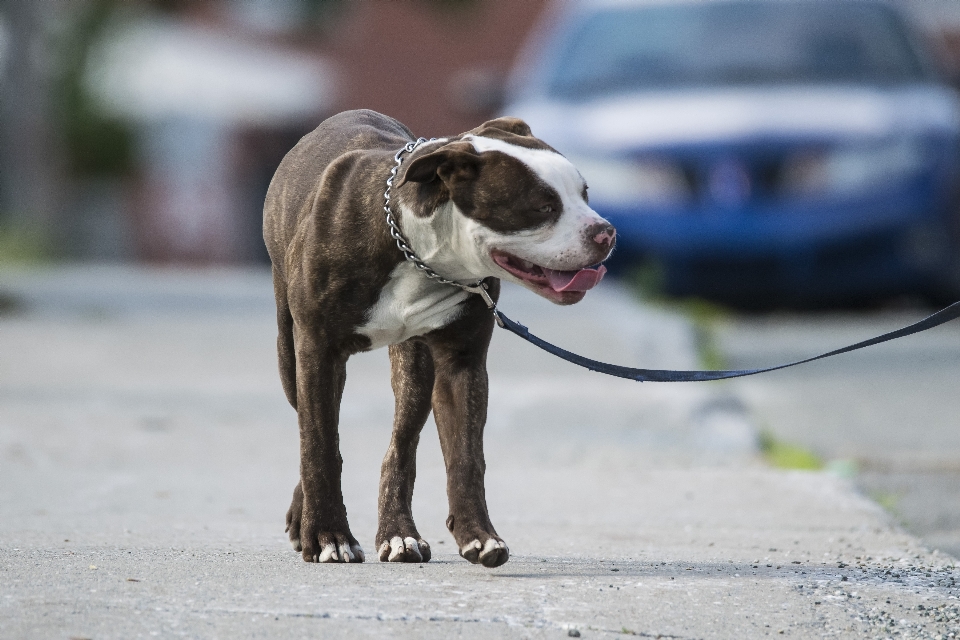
546,209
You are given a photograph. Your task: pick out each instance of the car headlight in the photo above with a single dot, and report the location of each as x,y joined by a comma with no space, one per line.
633,182
852,169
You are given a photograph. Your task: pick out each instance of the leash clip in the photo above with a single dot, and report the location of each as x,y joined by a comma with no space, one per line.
481,289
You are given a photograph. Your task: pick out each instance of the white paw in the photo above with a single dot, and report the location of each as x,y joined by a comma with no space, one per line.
343,552
329,553
295,543
404,550
351,553
471,549
492,546
492,553
407,549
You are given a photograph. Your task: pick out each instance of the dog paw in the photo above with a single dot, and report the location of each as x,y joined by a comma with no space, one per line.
407,549
492,553
331,543
294,514
333,547
295,543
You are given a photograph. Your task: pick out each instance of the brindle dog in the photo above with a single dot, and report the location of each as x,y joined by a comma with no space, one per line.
492,203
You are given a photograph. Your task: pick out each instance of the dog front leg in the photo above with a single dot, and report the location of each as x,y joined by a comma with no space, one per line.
460,410
317,519
411,375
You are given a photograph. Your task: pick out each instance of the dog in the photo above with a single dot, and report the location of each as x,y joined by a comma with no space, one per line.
493,203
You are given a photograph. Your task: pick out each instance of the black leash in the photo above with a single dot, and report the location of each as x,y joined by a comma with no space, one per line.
662,375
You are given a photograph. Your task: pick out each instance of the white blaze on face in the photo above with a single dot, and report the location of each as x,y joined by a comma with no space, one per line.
460,248
563,245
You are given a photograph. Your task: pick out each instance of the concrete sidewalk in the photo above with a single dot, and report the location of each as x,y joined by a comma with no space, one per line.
147,456
889,412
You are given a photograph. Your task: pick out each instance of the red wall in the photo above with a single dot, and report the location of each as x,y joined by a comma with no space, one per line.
400,57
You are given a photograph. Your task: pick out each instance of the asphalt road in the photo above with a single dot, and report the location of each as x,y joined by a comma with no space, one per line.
892,410
147,457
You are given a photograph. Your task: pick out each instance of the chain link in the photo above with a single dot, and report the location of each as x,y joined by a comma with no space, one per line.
479,288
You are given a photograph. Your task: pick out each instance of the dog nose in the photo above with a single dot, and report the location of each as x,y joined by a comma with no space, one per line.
603,234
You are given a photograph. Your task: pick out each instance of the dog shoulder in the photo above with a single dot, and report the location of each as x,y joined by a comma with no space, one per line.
339,164
344,134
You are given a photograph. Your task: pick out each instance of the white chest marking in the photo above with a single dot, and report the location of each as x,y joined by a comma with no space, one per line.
410,305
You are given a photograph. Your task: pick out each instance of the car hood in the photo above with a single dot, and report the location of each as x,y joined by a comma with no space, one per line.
653,119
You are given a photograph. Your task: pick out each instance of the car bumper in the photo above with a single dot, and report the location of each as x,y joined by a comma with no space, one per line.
804,251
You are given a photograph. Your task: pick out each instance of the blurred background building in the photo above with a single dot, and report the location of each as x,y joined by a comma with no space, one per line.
148,130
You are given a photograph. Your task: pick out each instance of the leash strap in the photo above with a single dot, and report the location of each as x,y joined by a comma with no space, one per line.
661,375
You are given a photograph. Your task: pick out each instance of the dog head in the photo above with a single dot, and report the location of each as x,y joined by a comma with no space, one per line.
515,207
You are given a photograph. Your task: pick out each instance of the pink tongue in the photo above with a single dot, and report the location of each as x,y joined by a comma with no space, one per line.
582,280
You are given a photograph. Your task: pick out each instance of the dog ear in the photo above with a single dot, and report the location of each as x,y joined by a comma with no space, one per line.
508,124
452,162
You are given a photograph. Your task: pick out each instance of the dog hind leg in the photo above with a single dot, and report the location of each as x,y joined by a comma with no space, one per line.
411,375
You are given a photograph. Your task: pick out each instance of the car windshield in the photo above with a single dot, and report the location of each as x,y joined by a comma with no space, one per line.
733,43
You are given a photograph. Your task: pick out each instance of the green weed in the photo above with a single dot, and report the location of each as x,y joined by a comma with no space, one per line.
888,500
783,455
22,246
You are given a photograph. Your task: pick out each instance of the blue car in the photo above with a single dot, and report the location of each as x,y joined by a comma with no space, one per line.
756,151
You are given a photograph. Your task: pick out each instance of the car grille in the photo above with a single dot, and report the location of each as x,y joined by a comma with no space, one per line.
737,179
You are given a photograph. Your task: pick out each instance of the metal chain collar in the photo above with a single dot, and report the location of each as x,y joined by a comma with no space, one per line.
479,288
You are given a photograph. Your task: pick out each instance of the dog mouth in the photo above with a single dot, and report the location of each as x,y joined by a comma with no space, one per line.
550,280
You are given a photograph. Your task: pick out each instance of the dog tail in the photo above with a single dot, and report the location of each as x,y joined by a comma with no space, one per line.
285,351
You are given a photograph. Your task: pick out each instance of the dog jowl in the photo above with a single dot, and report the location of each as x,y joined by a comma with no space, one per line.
494,203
